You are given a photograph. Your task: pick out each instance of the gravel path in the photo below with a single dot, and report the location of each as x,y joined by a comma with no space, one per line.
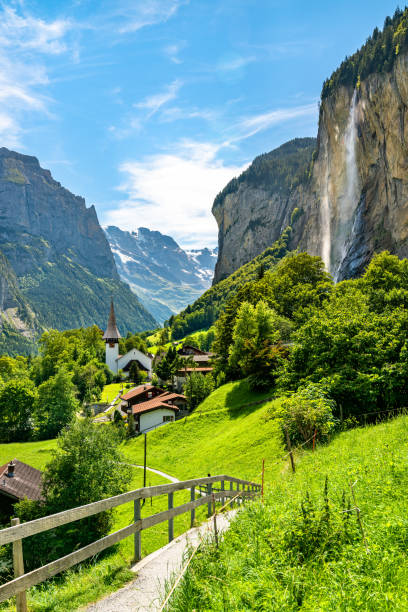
168,476
147,591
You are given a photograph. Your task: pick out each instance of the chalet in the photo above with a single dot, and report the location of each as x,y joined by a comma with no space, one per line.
18,481
196,361
117,362
152,407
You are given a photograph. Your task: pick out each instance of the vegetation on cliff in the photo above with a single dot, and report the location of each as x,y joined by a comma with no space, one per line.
378,54
280,170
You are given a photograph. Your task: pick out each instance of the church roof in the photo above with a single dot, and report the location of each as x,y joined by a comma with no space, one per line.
112,332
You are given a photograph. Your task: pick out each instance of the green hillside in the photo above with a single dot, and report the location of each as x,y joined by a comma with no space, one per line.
204,311
305,550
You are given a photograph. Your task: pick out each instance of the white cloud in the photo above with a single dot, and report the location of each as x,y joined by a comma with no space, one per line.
235,63
172,51
249,126
24,42
173,193
155,102
141,13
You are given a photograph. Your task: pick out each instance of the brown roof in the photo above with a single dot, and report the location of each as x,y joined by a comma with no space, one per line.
152,404
165,397
138,391
26,481
194,370
112,332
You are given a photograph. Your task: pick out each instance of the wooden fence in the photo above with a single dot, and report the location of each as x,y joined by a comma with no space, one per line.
15,534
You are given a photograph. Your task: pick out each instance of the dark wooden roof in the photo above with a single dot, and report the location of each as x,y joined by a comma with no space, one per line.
139,391
25,482
112,332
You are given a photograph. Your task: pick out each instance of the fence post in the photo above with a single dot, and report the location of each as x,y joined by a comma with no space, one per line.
231,489
222,489
138,534
192,514
171,520
209,492
18,563
292,461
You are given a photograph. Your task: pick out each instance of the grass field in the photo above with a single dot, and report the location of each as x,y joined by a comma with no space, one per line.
277,558
220,439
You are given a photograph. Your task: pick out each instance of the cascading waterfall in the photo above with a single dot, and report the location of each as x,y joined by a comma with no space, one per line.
348,203
325,220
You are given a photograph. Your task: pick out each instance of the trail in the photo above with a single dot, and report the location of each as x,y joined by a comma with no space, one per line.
146,592
163,474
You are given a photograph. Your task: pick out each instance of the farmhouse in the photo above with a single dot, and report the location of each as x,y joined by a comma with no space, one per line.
18,481
151,406
118,362
196,361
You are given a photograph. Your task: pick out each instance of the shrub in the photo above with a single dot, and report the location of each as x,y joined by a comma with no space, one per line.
306,411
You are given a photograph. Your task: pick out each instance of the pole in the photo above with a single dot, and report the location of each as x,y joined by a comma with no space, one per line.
138,534
145,455
171,520
215,521
292,461
18,562
263,479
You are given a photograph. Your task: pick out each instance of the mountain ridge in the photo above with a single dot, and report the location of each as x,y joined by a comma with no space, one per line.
166,277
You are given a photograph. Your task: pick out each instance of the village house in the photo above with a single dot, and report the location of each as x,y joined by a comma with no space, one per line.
152,407
117,362
196,361
18,481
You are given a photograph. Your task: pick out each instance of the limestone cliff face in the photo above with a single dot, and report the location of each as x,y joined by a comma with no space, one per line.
253,210
355,201
36,211
358,200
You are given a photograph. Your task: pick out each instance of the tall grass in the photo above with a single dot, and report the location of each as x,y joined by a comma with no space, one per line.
292,554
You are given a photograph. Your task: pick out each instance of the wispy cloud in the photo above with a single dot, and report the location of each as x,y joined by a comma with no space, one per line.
25,43
133,16
235,63
249,126
173,192
153,103
172,51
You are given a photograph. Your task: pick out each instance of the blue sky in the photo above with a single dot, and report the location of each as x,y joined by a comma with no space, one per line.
147,108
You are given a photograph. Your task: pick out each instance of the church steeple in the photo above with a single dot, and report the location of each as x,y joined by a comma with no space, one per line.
112,334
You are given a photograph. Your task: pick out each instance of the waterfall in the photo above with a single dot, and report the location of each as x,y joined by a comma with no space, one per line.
325,220
349,201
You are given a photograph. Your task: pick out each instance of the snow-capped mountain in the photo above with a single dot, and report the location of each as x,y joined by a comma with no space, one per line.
164,276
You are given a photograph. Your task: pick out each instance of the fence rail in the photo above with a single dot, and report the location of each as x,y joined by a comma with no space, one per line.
14,534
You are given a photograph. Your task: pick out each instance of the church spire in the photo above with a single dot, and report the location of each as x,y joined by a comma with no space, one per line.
112,333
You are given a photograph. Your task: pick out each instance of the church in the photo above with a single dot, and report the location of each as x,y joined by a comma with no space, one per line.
118,362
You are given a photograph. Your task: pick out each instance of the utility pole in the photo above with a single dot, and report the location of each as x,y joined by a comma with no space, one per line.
145,455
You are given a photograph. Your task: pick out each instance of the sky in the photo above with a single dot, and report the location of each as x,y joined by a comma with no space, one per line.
147,108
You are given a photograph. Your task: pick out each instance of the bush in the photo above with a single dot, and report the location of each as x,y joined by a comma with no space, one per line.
306,411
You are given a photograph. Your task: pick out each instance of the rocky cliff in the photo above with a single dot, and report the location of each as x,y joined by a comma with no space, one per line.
253,210
354,199
163,275
358,197
56,266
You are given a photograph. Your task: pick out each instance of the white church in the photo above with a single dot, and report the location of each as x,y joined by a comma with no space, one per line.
118,362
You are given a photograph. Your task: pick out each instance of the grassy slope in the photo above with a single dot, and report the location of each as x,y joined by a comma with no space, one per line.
255,570
218,438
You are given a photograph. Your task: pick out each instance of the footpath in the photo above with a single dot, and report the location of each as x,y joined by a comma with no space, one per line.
147,591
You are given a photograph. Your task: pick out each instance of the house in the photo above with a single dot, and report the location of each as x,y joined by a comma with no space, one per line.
117,362
18,481
152,407
139,394
198,361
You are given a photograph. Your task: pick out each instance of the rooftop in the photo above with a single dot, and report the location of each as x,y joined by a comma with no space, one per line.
25,482
112,332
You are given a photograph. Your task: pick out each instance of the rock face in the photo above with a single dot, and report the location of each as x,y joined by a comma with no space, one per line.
56,266
163,275
355,201
358,200
252,210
